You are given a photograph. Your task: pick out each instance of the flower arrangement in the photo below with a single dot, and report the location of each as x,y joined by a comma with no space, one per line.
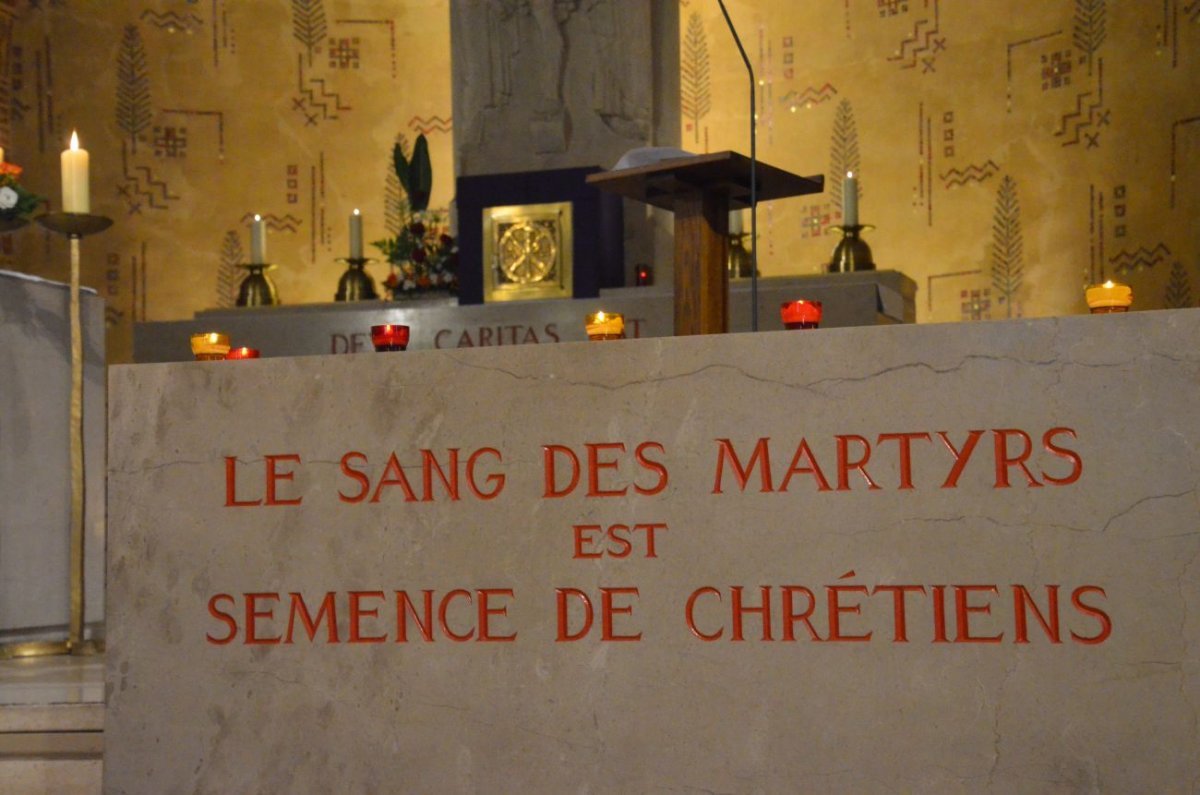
423,256
16,203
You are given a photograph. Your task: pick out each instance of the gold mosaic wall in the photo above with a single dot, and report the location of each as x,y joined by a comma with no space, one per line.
1009,152
198,114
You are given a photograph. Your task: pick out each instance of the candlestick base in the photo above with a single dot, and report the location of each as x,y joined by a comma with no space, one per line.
356,284
74,224
257,289
852,253
740,263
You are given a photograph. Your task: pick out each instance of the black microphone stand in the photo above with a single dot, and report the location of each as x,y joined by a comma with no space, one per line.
753,183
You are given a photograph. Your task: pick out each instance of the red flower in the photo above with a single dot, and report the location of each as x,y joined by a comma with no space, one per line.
391,281
417,229
418,255
10,168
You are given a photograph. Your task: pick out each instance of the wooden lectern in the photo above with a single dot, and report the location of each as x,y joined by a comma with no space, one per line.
701,190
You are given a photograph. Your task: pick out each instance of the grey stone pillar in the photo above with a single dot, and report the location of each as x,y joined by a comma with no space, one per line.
541,84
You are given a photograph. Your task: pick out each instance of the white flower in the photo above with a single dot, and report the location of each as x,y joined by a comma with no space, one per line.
8,198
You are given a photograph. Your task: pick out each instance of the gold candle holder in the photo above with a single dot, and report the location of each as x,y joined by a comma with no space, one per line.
1109,297
605,326
210,346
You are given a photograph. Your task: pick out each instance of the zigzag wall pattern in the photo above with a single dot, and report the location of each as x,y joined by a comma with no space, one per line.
811,96
172,21
419,124
1083,118
314,97
141,189
1125,262
972,173
921,41
275,223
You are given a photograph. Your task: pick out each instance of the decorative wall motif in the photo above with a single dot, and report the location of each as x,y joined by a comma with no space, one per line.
133,87
843,153
1007,246
975,172
922,46
1179,289
172,21
1124,263
1089,29
139,188
695,93
308,24
229,276
812,95
1013,151
314,100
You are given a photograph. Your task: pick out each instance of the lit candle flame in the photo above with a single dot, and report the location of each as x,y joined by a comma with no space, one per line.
356,212
850,175
257,217
1109,283
74,140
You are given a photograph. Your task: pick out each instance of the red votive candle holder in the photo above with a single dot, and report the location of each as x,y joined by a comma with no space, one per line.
801,314
389,337
242,353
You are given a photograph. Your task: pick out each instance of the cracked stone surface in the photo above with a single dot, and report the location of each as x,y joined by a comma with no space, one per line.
962,704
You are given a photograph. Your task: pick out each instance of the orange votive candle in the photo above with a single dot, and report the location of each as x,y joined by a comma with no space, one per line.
210,345
1109,297
605,326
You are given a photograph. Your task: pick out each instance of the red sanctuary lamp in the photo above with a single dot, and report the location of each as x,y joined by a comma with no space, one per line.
389,337
801,314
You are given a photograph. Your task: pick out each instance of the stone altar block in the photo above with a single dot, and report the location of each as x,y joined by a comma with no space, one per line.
954,558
